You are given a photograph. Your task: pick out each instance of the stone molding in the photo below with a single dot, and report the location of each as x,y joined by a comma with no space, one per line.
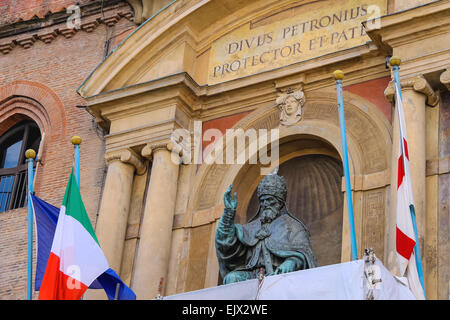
198,218
438,166
367,182
165,31
418,84
396,28
127,156
445,78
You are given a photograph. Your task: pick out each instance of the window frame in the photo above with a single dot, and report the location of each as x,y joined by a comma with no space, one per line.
21,167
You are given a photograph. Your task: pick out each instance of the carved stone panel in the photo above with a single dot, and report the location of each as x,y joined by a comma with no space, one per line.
210,185
373,221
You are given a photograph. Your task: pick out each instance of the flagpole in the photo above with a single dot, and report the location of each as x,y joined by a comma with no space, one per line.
395,63
76,141
30,154
339,76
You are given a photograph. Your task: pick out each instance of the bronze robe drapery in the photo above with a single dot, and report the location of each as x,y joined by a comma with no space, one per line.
240,248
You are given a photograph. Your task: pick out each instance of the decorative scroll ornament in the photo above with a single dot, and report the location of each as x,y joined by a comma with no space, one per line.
290,104
127,155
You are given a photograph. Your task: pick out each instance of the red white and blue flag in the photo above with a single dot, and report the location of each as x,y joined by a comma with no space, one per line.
69,257
405,235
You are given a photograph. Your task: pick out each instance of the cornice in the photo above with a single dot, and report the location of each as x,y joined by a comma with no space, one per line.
141,37
137,137
410,25
210,102
360,62
168,82
205,102
26,34
199,24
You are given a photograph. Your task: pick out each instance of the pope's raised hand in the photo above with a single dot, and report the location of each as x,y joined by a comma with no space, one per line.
230,208
228,199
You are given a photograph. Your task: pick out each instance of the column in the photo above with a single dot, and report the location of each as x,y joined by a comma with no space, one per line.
416,94
113,214
153,251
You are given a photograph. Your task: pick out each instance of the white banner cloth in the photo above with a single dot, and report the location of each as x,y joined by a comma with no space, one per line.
344,281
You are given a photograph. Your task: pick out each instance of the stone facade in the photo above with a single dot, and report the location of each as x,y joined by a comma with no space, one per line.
155,211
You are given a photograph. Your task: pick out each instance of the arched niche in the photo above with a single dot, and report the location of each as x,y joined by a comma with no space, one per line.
369,141
318,133
315,197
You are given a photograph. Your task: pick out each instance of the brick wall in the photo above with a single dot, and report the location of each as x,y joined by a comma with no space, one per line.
50,73
15,10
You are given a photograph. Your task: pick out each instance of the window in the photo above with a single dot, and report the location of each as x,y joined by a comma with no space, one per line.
13,169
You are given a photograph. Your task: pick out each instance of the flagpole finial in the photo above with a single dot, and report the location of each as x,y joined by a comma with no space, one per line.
395,61
76,140
30,154
338,75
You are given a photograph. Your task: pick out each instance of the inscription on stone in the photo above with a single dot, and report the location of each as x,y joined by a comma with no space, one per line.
312,30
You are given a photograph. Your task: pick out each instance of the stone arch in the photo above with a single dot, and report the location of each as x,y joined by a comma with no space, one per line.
35,101
16,109
369,137
315,197
293,143
317,133
20,100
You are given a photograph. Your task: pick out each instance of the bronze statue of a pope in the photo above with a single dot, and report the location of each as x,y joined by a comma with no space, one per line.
273,239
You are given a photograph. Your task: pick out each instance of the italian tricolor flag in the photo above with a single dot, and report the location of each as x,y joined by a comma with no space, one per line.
76,258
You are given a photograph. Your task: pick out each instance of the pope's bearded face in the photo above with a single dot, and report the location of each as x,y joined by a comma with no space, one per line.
270,208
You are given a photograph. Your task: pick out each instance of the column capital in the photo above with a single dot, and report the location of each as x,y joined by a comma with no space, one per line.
445,78
127,156
416,83
177,148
